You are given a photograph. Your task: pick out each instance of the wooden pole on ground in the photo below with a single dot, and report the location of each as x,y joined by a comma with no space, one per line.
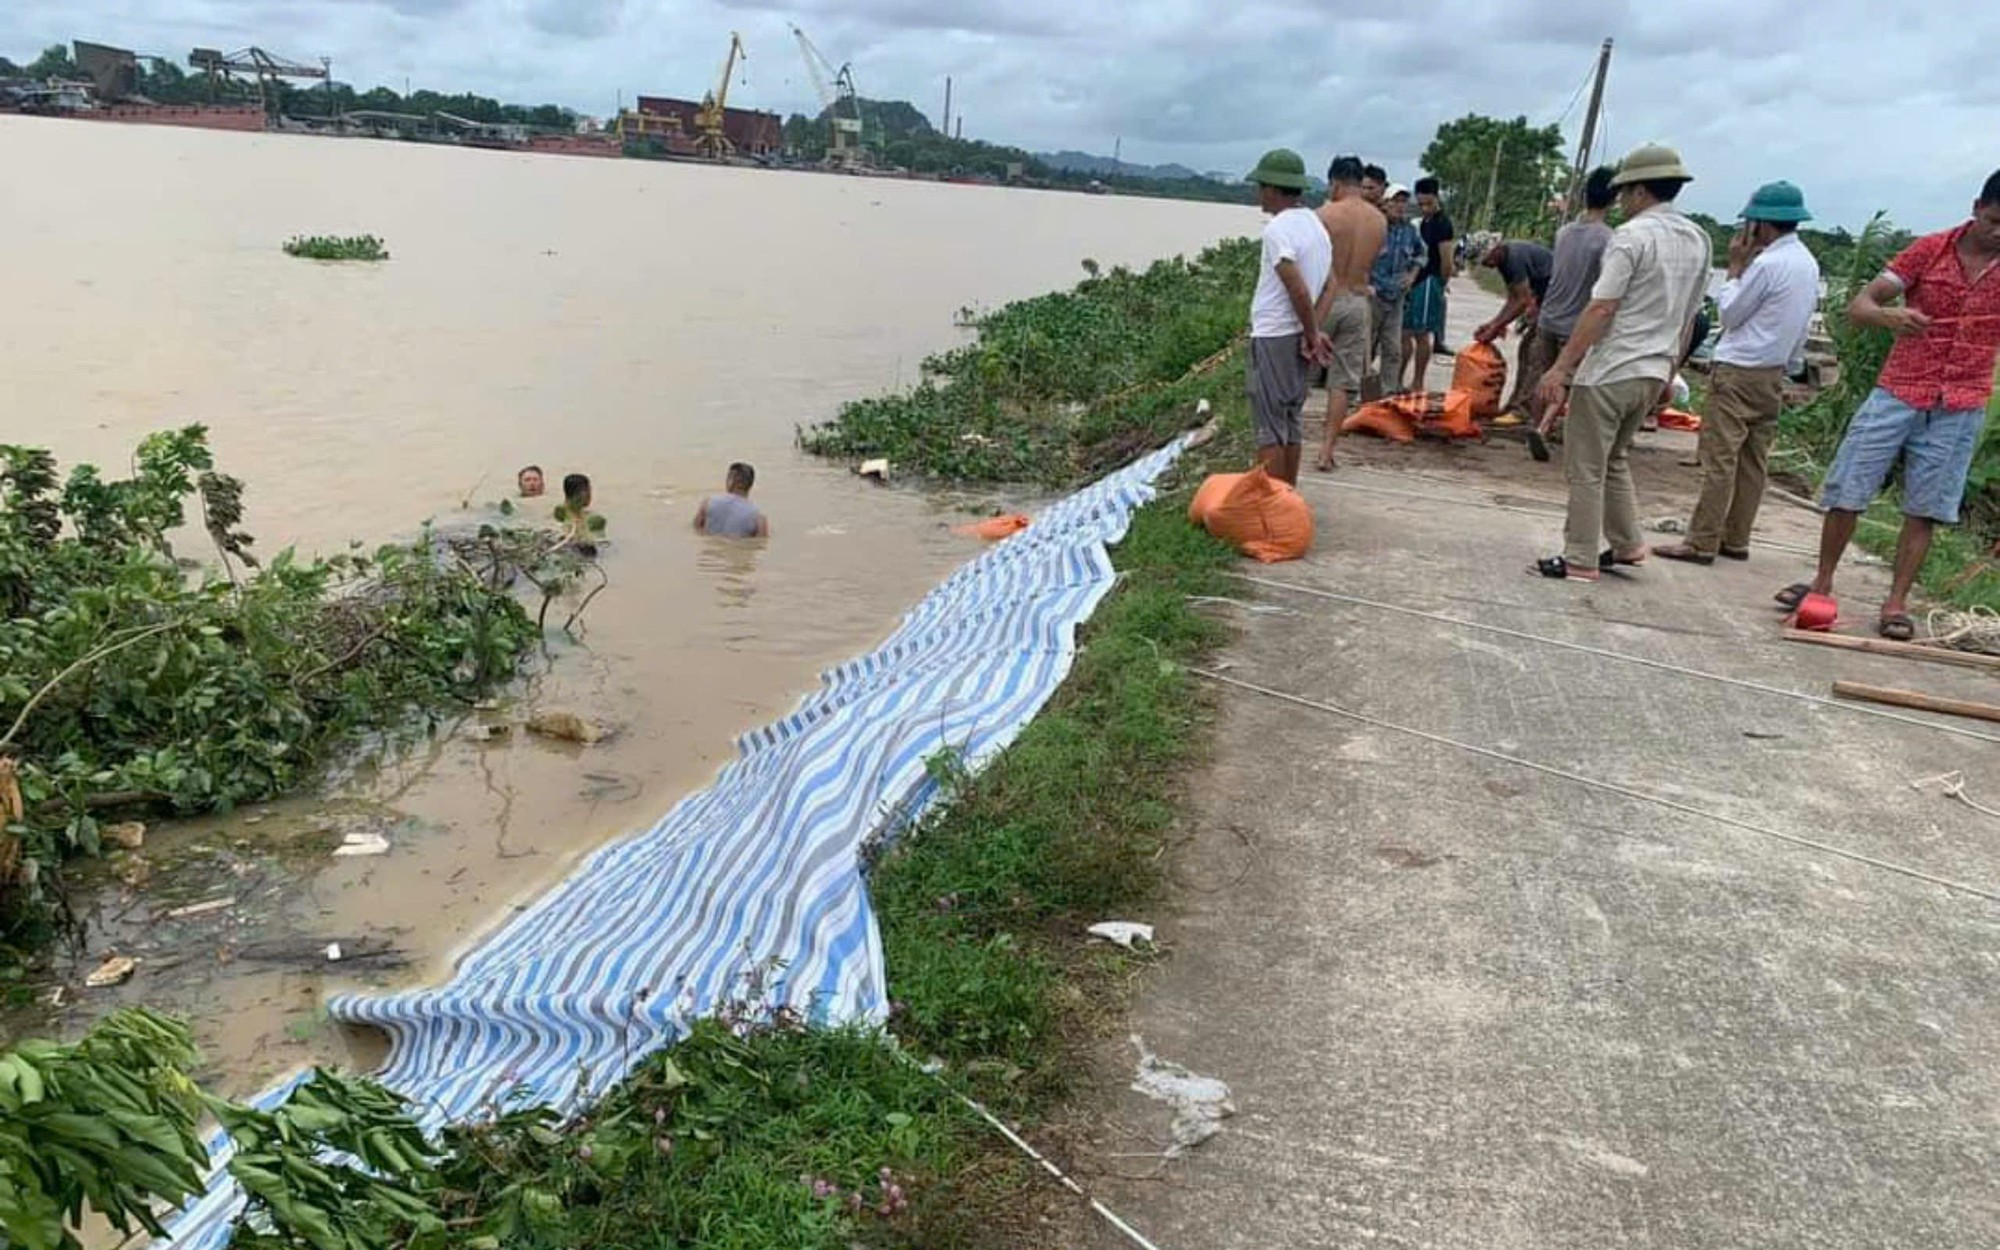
1889,646
1916,699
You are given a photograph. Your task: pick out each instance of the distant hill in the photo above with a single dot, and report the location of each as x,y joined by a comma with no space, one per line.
899,136
1087,163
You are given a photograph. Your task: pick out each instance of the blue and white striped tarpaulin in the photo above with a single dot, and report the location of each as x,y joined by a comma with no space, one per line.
759,876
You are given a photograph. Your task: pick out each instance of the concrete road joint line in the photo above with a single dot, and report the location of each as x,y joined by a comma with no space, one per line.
1610,787
1604,653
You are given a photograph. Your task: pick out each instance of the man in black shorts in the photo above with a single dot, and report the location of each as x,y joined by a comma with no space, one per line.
1423,309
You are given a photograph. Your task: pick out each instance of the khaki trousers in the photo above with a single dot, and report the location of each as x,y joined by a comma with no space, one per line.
1736,434
1597,440
1387,348
1538,351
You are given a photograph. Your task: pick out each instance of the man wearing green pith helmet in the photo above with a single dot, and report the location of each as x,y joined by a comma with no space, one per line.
1766,307
1284,332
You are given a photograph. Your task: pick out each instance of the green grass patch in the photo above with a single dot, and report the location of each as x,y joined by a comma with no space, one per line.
330,247
788,1139
1059,388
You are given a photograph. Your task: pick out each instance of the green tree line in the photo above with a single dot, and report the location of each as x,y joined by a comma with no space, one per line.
1505,175
168,83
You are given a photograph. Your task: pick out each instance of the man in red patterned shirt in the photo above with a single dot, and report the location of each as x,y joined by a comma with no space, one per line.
1929,402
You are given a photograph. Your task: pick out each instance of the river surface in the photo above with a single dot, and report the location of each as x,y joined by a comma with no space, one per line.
644,323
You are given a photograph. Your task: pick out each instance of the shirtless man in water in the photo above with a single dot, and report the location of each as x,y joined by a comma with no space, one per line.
1357,229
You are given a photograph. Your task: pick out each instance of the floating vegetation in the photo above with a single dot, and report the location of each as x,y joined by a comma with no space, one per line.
329,247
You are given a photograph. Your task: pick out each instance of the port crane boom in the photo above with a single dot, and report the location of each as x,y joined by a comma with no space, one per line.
838,98
711,140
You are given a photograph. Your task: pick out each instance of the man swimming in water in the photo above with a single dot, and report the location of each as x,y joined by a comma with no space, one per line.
529,482
731,514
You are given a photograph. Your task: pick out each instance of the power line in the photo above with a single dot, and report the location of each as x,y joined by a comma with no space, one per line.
1577,94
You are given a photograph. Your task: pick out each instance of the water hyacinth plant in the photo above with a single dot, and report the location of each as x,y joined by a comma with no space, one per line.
331,247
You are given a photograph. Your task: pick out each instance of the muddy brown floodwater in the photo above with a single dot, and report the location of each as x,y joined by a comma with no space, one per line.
644,323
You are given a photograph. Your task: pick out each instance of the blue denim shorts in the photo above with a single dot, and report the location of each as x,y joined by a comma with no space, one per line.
1936,445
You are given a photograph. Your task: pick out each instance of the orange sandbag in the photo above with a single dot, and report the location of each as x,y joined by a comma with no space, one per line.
1212,491
1481,372
1675,419
1381,419
994,528
1438,414
1263,518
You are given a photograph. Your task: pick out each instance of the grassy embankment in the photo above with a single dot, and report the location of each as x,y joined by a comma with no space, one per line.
791,1138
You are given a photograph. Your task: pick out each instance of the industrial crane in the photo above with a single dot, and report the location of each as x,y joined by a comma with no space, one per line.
259,64
842,105
710,140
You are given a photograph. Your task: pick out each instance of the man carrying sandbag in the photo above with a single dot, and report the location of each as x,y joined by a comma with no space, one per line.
1622,356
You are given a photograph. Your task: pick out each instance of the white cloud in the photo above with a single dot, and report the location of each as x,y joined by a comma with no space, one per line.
1862,111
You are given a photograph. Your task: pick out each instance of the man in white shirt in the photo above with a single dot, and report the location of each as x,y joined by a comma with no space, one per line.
1622,355
1766,308
1284,332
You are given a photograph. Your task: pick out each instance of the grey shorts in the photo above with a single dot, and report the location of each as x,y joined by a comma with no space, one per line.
1276,378
1936,446
1347,324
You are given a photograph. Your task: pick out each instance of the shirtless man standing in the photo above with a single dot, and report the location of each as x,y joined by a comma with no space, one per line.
1357,229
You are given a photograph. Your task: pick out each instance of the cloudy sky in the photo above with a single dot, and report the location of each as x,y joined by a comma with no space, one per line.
1864,112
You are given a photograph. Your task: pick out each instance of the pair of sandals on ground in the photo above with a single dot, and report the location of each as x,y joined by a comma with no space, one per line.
1895,626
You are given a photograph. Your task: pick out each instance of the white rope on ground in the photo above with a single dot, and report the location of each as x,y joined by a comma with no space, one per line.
1971,629
1604,653
1610,787
1952,786
1132,1234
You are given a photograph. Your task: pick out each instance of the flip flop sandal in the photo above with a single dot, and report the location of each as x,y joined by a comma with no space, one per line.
1608,559
1557,569
1789,597
1538,445
1683,553
1897,627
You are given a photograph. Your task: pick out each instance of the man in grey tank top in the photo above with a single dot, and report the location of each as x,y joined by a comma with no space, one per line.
732,515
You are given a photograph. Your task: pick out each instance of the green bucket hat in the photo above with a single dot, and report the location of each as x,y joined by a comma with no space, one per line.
1777,201
1281,167
1650,162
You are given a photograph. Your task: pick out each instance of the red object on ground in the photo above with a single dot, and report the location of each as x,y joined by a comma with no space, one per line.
1817,613
1675,419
